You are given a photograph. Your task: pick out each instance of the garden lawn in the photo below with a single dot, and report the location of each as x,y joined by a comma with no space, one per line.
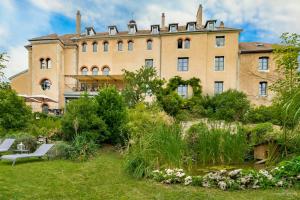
103,178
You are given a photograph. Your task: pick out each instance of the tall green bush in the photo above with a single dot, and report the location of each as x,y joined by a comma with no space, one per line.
216,145
81,118
171,103
14,113
230,105
112,109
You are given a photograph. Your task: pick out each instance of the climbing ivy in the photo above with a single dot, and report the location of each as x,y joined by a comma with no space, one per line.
177,80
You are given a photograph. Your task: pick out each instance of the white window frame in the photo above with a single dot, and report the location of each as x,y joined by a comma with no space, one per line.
149,62
183,64
263,64
263,89
219,63
218,87
218,43
182,91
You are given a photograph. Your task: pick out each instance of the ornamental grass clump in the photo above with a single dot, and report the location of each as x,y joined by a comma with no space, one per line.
216,145
162,146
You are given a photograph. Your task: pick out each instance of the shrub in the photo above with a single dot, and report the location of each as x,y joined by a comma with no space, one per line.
261,114
258,133
14,114
161,147
81,117
82,148
112,109
60,150
171,103
230,105
47,126
27,139
195,106
216,145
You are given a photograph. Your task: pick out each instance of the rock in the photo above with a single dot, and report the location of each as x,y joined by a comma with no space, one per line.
222,185
188,180
279,184
234,173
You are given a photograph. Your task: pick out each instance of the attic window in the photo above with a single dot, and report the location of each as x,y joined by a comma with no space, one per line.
211,26
132,29
155,30
112,31
173,28
191,27
90,31
259,45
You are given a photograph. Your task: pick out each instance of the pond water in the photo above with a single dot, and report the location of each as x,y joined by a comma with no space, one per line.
204,169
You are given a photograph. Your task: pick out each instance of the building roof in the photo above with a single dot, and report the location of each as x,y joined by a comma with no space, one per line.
255,47
18,74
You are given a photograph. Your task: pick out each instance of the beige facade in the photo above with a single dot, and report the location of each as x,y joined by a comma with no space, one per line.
84,61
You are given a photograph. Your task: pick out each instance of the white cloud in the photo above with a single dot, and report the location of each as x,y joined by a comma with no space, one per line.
18,23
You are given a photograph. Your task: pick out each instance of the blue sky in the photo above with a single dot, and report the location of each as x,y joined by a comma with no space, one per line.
20,20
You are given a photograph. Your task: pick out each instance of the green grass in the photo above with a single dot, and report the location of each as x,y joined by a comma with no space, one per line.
103,178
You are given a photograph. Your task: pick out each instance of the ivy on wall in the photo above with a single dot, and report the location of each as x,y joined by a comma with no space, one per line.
177,80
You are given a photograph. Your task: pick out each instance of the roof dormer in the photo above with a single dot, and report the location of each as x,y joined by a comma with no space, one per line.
90,31
173,27
155,29
132,28
112,30
210,24
191,26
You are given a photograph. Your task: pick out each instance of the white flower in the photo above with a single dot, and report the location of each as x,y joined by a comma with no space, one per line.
188,180
205,184
279,184
180,174
169,171
222,185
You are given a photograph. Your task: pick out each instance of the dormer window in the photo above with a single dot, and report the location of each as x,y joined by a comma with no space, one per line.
132,29
191,26
90,31
155,29
173,27
210,24
112,30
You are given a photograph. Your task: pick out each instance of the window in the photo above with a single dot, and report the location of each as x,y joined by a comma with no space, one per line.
219,86
211,26
95,47
132,30
263,63
130,45
48,63
105,46
191,27
95,71
43,64
120,46
219,63
187,43
149,44
45,84
84,47
179,44
183,64
149,63
182,91
84,71
263,89
45,108
112,31
155,30
105,71
220,41
173,28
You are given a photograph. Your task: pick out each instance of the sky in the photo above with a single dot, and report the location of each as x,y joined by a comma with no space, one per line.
20,20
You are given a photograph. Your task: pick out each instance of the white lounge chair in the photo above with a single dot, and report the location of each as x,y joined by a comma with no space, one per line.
6,144
39,153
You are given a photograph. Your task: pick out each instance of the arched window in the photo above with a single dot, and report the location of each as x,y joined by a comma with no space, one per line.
187,43
105,46
130,45
45,108
149,44
84,47
120,46
84,71
95,71
43,64
179,44
105,71
48,63
95,47
45,84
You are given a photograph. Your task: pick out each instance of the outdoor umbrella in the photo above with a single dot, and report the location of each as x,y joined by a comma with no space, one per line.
29,99
43,98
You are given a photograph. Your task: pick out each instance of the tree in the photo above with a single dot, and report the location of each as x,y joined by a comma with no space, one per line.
14,113
141,83
112,109
81,119
230,105
3,59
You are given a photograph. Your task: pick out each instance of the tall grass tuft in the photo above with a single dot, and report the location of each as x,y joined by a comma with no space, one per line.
161,147
216,145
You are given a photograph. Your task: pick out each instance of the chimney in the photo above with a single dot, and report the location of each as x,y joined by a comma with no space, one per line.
199,17
163,21
78,22
221,24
